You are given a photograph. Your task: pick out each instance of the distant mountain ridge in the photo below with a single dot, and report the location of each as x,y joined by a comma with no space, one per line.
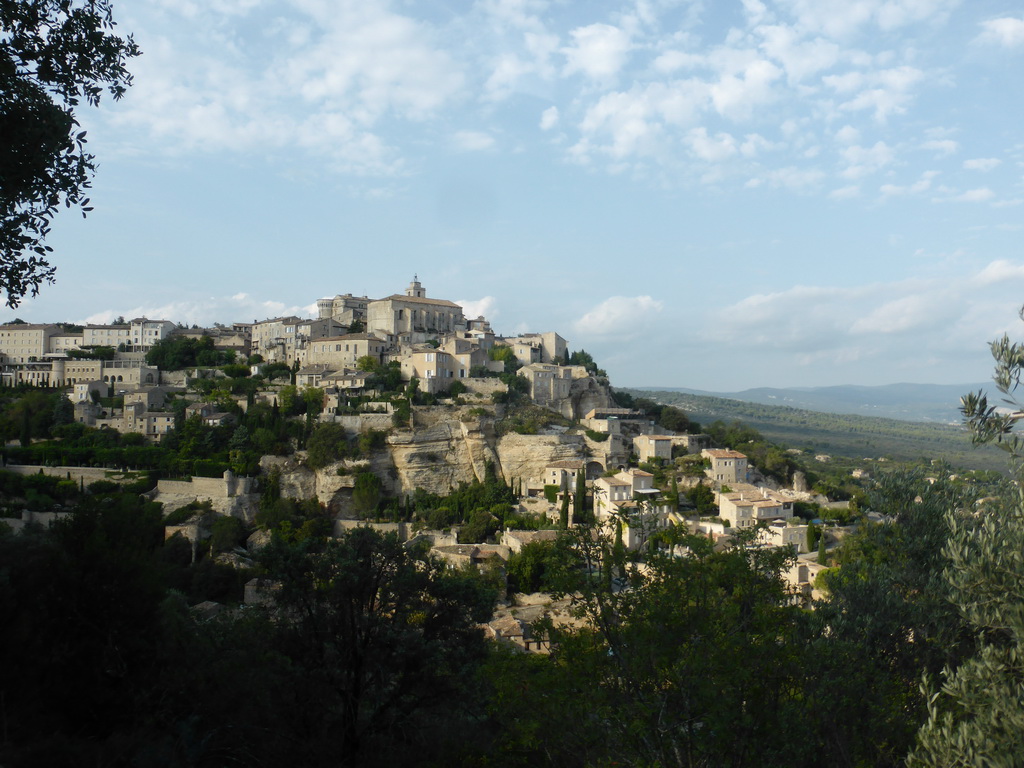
932,403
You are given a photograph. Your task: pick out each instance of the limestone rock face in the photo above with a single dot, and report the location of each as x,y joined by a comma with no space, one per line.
297,480
436,458
332,490
446,448
525,456
587,394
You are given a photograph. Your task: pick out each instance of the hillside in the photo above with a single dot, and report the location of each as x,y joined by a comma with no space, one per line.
936,403
839,434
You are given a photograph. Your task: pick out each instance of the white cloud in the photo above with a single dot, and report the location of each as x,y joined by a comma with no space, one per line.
1007,31
800,58
863,161
598,51
843,18
736,95
549,118
472,141
941,146
923,184
792,178
473,308
884,92
982,163
845,193
206,310
848,135
624,316
999,271
712,149
980,195
901,325
201,88
906,313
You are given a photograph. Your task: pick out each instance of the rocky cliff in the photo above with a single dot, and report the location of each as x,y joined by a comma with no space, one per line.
447,446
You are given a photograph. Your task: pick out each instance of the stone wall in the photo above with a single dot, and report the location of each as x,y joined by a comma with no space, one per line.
225,487
88,474
361,422
484,386
228,495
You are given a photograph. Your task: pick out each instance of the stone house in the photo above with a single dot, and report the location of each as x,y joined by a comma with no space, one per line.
649,447
779,533
82,391
434,368
516,540
339,352
209,414
345,309
26,342
150,397
539,348
746,508
106,335
628,503
144,333
136,418
726,466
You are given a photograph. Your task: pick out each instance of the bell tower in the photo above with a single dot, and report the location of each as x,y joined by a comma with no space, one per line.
415,290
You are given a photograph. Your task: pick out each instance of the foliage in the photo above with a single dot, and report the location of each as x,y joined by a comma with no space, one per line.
976,717
366,493
328,443
702,498
378,634
597,437
54,54
226,533
528,570
705,639
527,419
480,527
888,621
177,352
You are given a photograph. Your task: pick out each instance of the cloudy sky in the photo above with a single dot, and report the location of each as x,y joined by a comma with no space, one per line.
718,194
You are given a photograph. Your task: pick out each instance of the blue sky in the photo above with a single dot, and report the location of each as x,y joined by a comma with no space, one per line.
716,195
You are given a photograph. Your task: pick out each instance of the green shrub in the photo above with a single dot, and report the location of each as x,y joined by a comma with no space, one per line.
551,493
102,486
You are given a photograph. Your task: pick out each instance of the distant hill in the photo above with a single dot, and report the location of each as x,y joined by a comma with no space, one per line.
839,434
934,403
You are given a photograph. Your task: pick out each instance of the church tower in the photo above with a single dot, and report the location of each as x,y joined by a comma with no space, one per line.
415,290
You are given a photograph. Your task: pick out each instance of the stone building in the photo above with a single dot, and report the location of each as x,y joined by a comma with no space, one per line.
414,313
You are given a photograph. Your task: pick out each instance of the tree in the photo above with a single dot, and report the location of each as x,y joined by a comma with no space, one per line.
378,635
976,717
579,497
53,54
366,493
696,663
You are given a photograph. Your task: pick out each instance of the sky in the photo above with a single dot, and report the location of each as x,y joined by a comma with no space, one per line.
717,195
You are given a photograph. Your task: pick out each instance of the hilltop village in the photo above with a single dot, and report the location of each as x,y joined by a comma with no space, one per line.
441,400
391,536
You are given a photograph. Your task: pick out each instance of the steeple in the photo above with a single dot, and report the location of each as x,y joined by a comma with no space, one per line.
415,289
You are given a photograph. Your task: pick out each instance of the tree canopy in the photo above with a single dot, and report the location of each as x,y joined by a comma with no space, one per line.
53,54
